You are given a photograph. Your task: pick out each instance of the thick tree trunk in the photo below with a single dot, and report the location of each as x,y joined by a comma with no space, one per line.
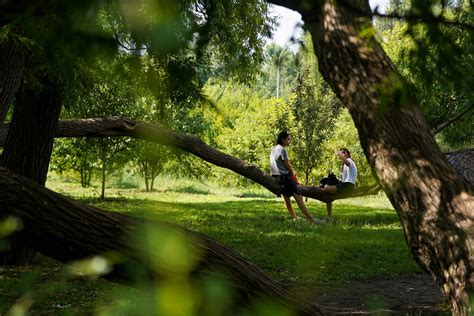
28,147
67,230
435,204
12,65
29,142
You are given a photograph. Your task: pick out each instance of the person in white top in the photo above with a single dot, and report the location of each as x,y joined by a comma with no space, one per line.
281,170
349,174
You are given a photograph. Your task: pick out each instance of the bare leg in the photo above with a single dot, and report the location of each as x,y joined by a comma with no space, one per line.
302,206
289,207
329,209
330,188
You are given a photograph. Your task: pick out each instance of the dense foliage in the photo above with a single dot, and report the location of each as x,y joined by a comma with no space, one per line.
168,62
437,62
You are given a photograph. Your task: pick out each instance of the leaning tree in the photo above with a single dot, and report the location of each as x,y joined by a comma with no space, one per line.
434,203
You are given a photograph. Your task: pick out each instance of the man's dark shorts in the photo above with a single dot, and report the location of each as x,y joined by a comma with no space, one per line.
288,186
344,187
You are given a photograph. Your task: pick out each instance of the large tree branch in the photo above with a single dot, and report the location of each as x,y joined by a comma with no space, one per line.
439,127
415,17
461,161
290,4
427,19
117,126
67,230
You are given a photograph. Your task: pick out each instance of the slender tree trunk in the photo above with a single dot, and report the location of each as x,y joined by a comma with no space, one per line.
67,230
28,147
435,204
12,65
83,180
153,176
88,177
104,165
146,168
306,181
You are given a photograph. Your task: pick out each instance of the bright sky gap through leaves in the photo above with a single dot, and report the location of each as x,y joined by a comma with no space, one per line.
289,20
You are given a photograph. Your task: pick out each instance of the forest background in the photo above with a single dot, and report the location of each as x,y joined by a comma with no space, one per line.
243,118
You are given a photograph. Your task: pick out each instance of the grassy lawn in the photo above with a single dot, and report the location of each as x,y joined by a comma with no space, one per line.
365,240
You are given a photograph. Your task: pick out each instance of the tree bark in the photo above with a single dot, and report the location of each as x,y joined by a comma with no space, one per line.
433,202
463,162
28,147
12,65
48,219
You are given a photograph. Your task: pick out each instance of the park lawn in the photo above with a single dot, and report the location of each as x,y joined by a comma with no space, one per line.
365,240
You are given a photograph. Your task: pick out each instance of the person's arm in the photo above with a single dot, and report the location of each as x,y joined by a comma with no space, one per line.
344,160
287,164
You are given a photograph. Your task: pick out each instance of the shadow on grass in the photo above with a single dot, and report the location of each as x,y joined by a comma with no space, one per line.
361,242
189,190
255,195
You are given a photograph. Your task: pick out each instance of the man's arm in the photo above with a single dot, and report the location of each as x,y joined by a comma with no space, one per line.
287,164
344,160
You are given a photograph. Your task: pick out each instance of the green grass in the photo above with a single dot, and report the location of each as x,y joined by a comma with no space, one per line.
365,240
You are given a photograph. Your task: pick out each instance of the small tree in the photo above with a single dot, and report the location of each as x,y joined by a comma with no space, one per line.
314,109
75,155
148,161
246,125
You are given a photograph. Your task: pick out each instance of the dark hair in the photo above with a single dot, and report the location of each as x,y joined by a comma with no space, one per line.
346,151
281,137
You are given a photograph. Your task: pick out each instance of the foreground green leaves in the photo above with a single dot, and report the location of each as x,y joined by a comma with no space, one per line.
364,241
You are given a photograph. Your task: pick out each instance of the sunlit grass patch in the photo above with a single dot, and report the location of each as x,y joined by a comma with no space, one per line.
360,242
364,240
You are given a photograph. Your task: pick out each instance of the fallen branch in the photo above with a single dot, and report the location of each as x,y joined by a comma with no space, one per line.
461,161
117,126
66,230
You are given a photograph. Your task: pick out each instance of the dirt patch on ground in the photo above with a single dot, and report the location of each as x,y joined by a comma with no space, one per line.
413,295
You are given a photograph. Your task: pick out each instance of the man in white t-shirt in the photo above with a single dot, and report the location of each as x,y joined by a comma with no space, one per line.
349,174
281,169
